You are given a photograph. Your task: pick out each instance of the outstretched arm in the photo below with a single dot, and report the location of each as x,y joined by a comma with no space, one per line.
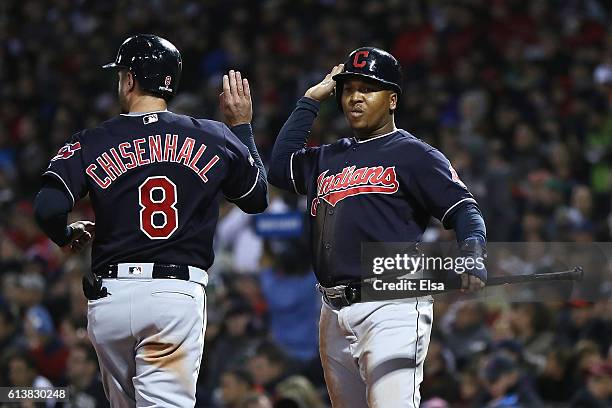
236,105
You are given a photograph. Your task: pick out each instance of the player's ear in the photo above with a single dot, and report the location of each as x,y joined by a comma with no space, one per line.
129,81
392,101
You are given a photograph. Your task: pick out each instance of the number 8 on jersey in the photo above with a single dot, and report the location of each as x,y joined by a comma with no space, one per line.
150,206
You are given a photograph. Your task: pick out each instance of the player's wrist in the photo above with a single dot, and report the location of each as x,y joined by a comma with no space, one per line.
66,238
474,249
240,126
315,96
306,101
311,96
233,124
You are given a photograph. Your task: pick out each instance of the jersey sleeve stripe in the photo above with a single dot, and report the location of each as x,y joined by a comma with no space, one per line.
248,192
291,171
63,182
454,205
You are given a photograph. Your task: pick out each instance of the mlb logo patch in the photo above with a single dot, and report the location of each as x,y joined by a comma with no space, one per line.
135,270
150,118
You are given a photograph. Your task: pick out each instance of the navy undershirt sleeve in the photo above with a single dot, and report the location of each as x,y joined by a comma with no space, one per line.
471,233
291,138
51,208
468,223
257,200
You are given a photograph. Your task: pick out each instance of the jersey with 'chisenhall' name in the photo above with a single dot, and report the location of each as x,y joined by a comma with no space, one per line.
155,181
384,189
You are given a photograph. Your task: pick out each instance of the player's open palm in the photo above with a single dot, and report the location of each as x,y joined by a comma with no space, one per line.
235,100
82,232
325,88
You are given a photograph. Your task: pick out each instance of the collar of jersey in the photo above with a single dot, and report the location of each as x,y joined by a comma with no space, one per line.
375,137
143,113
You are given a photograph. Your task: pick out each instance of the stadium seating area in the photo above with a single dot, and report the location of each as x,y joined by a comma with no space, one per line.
516,93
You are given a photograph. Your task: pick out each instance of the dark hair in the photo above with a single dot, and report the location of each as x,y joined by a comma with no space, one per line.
90,352
540,316
7,314
241,375
18,354
272,352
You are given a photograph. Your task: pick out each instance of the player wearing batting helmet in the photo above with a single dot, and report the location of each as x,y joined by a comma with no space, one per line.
154,178
380,185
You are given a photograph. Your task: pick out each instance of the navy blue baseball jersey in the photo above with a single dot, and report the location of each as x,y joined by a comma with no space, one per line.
384,189
155,181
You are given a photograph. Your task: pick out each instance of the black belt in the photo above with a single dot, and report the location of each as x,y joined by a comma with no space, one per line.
160,271
353,292
350,295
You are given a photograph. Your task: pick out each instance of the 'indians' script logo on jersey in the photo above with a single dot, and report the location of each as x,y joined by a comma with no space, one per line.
352,181
67,151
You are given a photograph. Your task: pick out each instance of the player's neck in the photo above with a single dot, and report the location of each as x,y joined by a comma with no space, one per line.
366,134
147,103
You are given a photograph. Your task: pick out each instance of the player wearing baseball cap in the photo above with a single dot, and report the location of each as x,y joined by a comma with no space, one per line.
380,185
154,178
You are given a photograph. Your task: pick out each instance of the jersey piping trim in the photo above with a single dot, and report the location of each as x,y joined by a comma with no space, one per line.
454,205
376,137
143,113
63,182
248,192
416,350
291,170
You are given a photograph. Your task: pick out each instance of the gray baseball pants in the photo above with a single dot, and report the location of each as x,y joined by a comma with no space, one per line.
373,352
149,336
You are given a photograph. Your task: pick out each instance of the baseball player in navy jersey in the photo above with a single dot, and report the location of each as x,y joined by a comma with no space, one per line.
381,185
155,179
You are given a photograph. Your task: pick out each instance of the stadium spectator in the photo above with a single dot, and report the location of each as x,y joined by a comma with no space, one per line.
235,386
439,377
293,300
82,378
555,383
44,345
518,93
10,337
22,372
269,366
505,385
297,392
467,333
598,390
256,400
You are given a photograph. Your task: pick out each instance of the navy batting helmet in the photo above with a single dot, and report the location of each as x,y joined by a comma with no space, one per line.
154,61
372,63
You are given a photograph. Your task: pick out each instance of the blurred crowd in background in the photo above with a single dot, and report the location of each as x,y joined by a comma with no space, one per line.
517,93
